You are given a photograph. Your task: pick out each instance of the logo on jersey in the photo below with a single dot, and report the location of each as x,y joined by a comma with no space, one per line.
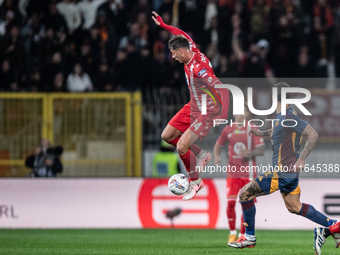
202,72
211,95
238,147
239,132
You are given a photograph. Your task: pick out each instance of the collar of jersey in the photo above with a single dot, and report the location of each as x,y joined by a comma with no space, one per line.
190,59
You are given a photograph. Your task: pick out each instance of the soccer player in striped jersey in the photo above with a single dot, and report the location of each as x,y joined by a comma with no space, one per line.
287,163
189,124
242,150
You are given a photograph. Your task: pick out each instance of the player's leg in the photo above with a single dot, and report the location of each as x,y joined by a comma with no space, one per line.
177,126
189,159
246,196
293,204
172,135
232,190
242,227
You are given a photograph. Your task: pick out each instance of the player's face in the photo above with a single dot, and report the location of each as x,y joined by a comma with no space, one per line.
241,118
177,55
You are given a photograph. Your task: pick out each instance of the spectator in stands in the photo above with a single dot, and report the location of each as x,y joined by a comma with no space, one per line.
260,14
12,48
57,84
163,71
116,13
213,55
227,68
213,34
56,65
88,10
71,13
7,77
104,81
54,19
135,36
161,45
305,67
149,66
141,6
119,66
251,63
86,60
10,13
166,7
132,70
78,80
323,23
45,160
36,83
107,33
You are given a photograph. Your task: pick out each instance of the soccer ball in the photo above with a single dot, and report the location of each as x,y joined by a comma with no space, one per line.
178,184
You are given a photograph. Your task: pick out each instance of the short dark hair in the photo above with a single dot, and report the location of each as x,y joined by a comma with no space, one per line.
279,86
179,41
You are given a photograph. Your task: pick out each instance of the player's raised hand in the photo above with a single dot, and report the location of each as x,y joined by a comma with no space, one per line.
155,18
255,132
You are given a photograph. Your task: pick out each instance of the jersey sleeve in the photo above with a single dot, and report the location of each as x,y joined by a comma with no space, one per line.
174,30
223,139
294,123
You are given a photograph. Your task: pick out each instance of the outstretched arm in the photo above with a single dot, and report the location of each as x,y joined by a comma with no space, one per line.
312,136
176,31
261,133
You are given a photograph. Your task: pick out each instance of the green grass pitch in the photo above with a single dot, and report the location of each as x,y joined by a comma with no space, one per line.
152,241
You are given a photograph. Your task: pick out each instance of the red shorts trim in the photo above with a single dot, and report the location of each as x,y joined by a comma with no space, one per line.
234,185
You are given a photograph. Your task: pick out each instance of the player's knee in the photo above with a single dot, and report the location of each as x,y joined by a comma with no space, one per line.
243,196
181,148
293,209
166,136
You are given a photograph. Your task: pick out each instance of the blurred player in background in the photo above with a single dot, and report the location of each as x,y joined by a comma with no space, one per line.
320,235
242,149
189,124
287,163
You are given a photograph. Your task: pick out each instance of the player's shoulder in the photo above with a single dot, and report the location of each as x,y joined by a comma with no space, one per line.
291,110
202,67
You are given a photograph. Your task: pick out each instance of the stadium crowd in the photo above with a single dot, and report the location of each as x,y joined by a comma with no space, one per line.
113,45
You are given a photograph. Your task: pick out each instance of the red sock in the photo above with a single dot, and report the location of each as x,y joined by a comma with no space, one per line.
189,160
335,228
174,142
195,149
242,228
231,214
